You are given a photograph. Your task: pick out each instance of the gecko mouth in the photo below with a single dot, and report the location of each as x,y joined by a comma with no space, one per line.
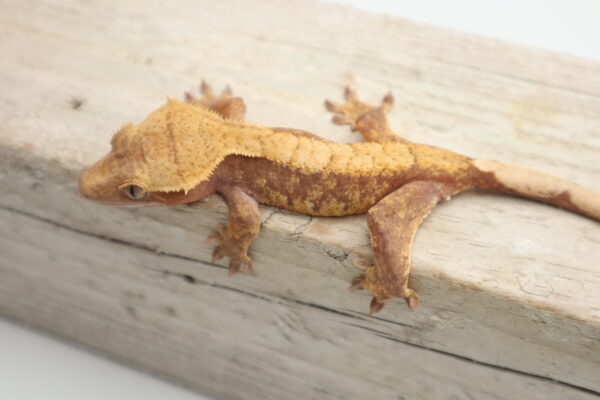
90,192
125,204
120,203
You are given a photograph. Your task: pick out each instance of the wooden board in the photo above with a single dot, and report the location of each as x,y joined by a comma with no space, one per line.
510,289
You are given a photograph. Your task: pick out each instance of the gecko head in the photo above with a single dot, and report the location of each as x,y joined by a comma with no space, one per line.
117,179
173,152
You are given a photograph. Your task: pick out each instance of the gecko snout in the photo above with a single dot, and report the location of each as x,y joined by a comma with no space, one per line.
87,187
101,183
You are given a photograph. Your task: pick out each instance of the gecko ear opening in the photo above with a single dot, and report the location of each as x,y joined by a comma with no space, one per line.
134,192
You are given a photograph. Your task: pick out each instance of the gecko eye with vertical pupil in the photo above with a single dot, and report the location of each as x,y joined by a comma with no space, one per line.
134,192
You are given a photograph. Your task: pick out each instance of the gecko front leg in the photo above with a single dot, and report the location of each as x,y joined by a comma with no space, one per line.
242,227
393,223
225,104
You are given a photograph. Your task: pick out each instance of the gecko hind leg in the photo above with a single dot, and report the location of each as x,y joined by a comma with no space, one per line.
368,120
225,104
393,223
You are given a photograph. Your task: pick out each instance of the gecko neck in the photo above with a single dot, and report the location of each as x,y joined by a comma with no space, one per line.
237,137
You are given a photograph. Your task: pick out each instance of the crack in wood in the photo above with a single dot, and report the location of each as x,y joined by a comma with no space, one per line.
271,215
389,321
494,366
385,335
300,229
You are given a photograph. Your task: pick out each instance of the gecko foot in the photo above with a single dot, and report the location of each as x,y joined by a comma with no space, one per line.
224,104
370,280
239,259
350,112
208,96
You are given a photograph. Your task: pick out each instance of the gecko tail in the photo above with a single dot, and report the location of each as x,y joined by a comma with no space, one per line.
532,184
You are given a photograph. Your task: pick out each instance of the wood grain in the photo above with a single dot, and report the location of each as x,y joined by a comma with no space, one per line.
510,289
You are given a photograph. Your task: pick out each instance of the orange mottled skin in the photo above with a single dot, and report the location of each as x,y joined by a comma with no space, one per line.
185,151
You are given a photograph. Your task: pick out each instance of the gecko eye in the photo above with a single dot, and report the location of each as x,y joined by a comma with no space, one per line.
134,192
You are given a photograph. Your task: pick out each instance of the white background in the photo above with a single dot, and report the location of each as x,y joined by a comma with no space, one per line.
35,366
571,27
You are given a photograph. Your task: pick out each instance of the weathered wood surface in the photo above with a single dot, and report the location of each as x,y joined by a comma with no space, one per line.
510,289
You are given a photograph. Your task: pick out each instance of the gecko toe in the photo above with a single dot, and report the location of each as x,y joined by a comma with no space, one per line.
189,98
205,88
349,94
214,238
331,106
358,283
387,102
339,120
218,253
247,267
361,263
234,268
376,305
412,299
217,236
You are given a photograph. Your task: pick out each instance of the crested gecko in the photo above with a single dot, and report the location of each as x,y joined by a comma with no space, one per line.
186,150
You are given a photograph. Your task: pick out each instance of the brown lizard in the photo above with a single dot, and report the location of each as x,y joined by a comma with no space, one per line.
185,151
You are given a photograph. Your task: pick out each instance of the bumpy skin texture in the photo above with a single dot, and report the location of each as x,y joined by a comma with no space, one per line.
185,151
